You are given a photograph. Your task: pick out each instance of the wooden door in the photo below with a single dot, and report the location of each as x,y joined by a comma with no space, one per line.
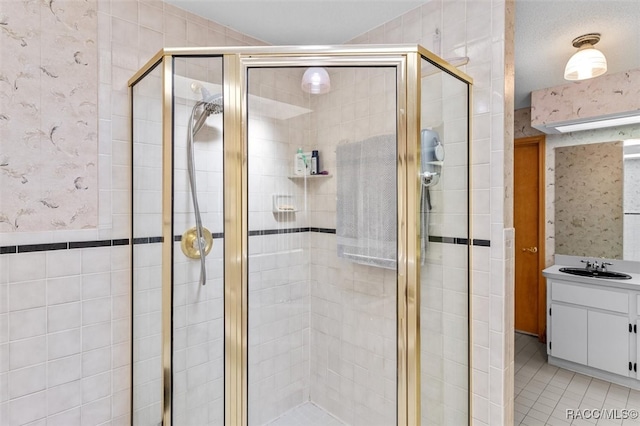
530,294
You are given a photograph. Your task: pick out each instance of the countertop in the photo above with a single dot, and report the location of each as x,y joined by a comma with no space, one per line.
553,272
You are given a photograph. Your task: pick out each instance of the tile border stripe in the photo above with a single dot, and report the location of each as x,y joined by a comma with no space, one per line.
31,248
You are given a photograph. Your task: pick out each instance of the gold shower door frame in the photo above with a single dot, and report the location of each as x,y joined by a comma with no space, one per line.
236,63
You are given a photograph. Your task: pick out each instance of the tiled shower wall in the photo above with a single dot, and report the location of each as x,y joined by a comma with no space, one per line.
278,349
444,283
484,32
353,306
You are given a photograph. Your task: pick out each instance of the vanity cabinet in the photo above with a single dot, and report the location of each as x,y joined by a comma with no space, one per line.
591,329
636,366
608,342
569,331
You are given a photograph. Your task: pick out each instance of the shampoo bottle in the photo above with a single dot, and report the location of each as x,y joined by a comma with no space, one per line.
315,163
299,163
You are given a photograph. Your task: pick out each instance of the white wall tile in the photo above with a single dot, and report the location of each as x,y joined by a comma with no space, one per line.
27,323
26,352
63,263
96,387
66,418
63,317
63,344
28,408
25,295
96,336
62,398
63,370
27,380
63,290
96,412
27,267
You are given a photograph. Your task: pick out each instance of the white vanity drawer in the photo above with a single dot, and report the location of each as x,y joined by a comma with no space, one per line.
638,309
607,299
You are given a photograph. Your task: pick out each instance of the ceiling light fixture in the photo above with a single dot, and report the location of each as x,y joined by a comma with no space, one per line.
587,62
316,81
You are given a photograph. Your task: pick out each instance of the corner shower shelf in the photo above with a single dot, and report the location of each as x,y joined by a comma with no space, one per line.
301,177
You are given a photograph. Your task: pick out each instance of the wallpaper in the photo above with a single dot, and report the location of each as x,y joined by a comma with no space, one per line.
48,115
588,200
608,94
522,124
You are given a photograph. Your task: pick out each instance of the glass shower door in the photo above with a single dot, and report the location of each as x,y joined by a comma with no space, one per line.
198,307
147,254
444,266
178,309
322,289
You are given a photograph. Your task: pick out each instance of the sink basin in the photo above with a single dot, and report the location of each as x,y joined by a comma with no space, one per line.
596,274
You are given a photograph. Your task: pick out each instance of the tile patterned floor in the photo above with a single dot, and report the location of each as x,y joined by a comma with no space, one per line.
307,414
544,393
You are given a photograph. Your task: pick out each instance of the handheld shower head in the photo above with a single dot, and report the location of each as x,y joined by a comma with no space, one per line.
211,104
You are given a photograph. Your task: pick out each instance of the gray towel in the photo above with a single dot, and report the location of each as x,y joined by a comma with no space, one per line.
366,225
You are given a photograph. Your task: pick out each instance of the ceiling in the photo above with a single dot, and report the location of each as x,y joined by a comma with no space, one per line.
544,29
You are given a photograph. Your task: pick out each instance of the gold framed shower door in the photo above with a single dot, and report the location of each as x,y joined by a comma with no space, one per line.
236,61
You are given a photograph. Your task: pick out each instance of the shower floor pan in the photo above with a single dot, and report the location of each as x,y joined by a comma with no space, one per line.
307,414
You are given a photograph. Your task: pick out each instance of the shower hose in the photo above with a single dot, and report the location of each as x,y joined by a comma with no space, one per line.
191,132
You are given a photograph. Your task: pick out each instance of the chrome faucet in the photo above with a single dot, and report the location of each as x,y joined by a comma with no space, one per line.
603,266
588,265
595,266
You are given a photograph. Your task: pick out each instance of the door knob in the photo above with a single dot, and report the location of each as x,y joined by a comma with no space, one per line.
531,249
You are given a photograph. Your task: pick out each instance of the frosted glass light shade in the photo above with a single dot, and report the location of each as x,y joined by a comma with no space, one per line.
587,62
316,81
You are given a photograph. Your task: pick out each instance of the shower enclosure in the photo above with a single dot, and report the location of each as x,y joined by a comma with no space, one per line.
265,294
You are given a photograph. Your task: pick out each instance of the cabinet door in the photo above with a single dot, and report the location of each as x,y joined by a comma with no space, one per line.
637,366
609,342
569,333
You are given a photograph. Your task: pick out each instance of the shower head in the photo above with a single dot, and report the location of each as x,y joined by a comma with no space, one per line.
212,103
213,107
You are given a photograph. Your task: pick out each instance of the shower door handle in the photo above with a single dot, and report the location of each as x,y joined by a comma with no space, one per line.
531,249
